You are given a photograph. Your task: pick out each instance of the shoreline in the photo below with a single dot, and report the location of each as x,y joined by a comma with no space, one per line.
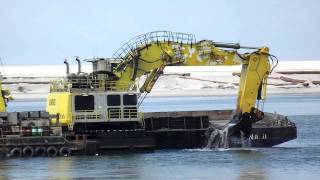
43,97
32,82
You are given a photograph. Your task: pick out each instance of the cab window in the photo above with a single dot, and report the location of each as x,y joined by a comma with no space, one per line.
129,99
113,100
84,103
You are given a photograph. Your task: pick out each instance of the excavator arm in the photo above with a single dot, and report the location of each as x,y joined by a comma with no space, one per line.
150,59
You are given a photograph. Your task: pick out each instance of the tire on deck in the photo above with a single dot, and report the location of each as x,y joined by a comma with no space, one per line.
64,151
52,151
40,151
28,151
15,152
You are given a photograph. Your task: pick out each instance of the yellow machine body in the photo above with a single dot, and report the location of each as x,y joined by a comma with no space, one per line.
60,104
5,96
2,100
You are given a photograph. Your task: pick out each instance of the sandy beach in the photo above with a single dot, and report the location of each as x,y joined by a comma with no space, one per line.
33,81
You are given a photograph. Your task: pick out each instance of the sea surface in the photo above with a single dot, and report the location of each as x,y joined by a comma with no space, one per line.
297,159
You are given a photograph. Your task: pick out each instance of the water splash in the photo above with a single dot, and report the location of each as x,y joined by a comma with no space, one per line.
225,138
216,139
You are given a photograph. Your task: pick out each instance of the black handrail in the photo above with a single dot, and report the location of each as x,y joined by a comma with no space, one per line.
134,43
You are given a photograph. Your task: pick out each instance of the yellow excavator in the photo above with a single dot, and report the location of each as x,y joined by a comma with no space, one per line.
89,112
107,96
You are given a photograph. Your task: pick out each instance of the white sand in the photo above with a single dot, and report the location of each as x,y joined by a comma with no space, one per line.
199,83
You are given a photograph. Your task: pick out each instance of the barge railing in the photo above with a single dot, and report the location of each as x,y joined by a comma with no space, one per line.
110,114
84,84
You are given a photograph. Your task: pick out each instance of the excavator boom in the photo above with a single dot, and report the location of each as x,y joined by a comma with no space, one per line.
150,58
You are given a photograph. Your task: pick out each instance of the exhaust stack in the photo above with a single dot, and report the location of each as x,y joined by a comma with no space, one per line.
67,65
79,65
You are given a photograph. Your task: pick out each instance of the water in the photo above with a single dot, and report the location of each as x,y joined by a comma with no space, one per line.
297,159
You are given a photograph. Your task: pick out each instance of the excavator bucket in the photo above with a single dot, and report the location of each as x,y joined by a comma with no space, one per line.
236,133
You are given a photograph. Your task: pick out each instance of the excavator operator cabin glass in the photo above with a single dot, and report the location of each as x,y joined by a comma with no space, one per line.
129,99
84,103
113,100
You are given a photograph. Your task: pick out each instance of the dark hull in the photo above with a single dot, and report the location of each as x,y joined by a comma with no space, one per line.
179,130
162,130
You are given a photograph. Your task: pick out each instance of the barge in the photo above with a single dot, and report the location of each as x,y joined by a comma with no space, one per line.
162,130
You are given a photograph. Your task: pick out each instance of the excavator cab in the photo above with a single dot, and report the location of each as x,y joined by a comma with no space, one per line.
91,101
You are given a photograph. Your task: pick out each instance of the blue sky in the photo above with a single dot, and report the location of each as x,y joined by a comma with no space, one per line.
47,31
